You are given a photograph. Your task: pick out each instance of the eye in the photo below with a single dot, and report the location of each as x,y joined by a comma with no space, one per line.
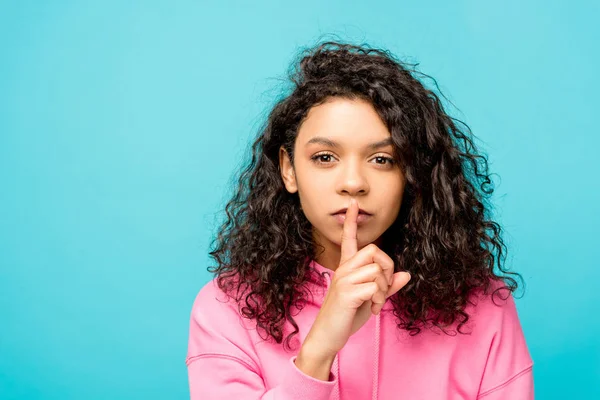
325,158
318,158
390,161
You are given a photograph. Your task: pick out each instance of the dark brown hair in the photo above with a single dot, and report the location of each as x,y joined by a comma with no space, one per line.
443,236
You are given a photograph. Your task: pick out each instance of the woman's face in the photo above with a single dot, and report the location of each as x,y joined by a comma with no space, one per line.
336,159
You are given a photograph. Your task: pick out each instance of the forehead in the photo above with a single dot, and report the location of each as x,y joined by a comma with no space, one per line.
347,122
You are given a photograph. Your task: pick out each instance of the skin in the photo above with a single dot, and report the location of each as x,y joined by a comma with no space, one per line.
349,170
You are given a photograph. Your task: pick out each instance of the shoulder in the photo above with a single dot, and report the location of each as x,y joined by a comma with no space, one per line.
217,329
216,326
212,306
497,304
497,327
209,294
499,333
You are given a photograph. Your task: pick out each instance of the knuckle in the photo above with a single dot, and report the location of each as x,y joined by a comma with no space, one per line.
372,248
376,269
377,298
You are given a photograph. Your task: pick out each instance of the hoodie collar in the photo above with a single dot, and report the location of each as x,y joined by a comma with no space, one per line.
319,297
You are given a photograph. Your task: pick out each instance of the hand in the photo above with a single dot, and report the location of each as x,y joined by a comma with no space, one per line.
359,288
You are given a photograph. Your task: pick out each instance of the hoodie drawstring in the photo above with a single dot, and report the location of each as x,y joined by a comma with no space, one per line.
336,364
375,374
336,368
376,360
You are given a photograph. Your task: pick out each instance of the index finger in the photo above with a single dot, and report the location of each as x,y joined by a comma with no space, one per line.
349,241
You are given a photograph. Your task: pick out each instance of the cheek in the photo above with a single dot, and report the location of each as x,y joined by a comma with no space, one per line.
393,199
314,185
313,197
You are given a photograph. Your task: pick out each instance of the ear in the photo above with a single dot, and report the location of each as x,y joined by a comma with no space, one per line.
287,171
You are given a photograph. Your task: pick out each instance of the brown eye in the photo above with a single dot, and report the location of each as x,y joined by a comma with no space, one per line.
318,158
388,161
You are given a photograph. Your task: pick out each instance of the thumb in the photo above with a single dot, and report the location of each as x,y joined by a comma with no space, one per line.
399,280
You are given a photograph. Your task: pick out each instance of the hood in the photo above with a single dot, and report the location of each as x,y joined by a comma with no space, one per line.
318,296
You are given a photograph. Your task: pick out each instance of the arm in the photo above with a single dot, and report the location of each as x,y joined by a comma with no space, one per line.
509,368
222,363
218,376
517,387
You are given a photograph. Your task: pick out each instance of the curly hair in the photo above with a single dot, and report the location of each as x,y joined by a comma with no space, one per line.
443,234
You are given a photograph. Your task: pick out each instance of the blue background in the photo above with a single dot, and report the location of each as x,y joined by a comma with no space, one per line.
122,122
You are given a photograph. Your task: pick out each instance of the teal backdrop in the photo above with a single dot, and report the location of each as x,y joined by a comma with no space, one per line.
123,122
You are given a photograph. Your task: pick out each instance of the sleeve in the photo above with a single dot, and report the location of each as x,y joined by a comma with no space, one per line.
508,371
518,387
222,364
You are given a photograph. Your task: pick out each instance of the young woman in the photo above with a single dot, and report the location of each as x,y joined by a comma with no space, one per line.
358,258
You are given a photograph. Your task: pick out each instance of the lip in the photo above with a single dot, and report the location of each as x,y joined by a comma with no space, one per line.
361,218
343,211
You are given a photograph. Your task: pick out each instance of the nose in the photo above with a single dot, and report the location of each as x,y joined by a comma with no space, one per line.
352,180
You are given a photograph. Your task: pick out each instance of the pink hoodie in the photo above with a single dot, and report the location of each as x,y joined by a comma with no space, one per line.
228,359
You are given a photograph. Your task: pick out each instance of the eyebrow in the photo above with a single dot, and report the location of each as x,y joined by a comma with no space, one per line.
328,142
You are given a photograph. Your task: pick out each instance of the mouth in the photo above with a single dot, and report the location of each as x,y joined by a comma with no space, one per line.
343,212
360,219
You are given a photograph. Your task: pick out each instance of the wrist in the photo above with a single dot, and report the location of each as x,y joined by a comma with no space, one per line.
314,362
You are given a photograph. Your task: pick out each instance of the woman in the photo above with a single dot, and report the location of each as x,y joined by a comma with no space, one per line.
358,256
